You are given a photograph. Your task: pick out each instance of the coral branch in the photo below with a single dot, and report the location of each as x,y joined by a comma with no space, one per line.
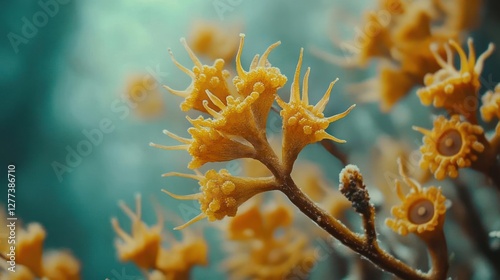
334,150
438,251
236,129
357,243
354,189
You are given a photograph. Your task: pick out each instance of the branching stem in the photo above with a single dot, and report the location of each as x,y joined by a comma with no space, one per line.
366,245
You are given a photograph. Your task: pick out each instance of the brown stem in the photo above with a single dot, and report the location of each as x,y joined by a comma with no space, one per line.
474,228
487,162
438,250
366,245
334,150
369,226
495,140
494,174
491,171
352,240
266,155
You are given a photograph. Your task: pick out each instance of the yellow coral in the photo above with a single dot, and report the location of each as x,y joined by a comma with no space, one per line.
21,273
303,123
143,248
142,245
450,87
228,135
61,266
422,210
143,93
259,253
254,223
261,78
209,145
29,250
276,259
221,193
214,40
395,7
32,263
462,14
394,85
176,262
413,37
491,104
450,145
377,44
238,121
235,118
212,78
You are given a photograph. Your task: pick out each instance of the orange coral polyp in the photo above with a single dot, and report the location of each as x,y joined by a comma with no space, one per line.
177,261
410,218
142,245
490,107
29,248
262,253
422,210
449,87
205,77
260,78
221,193
61,266
303,123
208,144
215,40
234,118
394,85
256,224
450,145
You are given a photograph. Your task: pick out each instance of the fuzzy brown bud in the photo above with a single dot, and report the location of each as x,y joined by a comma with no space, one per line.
352,187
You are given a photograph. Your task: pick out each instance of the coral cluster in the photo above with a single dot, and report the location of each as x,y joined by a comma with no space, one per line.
33,262
459,141
402,34
449,87
235,128
260,252
416,41
144,248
